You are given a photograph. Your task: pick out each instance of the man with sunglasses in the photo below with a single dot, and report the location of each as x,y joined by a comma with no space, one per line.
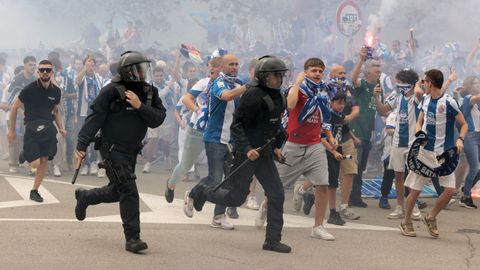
41,102
435,125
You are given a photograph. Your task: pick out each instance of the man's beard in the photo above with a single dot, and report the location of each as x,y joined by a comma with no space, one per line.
45,79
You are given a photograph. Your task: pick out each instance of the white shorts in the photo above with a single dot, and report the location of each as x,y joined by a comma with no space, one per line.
398,158
429,158
416,181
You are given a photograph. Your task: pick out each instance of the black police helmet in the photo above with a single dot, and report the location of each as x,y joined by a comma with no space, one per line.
133,67
267,64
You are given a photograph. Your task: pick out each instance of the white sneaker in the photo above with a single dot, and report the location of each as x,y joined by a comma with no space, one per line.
261,216
101,173
84,170
220,221
397,213
416,214
347,213
252,203
450,204
93,168
320,233
297,197
146,168
187,204
56,171
13,169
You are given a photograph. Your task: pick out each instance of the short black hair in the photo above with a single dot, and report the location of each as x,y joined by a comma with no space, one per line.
407,76
45,62
339,96
435,76
29,58
313,62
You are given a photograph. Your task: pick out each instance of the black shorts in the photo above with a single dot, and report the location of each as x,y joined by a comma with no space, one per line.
39,141
333,170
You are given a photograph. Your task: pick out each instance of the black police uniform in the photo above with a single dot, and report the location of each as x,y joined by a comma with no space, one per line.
256,120
123,129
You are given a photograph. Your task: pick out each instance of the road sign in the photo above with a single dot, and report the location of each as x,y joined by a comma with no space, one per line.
349,18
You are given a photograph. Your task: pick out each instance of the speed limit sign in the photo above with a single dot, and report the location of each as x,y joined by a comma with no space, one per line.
349,18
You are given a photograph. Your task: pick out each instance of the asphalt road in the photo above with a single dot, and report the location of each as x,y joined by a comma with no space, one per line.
47,236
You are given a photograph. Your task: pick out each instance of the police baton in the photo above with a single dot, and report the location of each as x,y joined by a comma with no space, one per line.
232,173
75,175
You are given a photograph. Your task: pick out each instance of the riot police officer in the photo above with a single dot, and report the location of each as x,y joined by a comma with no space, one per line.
121,113
258,136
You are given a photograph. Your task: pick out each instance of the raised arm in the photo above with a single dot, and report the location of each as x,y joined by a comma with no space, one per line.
362,56
292,98
231,94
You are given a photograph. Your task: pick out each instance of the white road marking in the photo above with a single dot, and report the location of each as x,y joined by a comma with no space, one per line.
23,187
161,211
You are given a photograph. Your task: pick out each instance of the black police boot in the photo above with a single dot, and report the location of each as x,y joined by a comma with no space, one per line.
135,245
199,197
21,157
81,207
169,193
277,247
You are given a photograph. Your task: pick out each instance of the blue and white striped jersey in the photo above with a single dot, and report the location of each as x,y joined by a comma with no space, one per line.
220,112
406,110
439,122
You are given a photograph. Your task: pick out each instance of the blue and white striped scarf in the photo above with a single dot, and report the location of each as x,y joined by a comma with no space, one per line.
232,82
202,118
315,101
203,115
337,84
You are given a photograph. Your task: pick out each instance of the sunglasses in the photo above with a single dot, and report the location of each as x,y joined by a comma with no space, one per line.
45,70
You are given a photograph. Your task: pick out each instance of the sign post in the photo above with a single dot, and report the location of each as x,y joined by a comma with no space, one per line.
349,22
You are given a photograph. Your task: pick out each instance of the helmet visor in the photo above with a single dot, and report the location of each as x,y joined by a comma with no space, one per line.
141,72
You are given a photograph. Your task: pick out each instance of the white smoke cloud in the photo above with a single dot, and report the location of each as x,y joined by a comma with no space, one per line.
376,21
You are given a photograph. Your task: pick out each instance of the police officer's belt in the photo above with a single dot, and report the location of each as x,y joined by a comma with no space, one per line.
110,147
